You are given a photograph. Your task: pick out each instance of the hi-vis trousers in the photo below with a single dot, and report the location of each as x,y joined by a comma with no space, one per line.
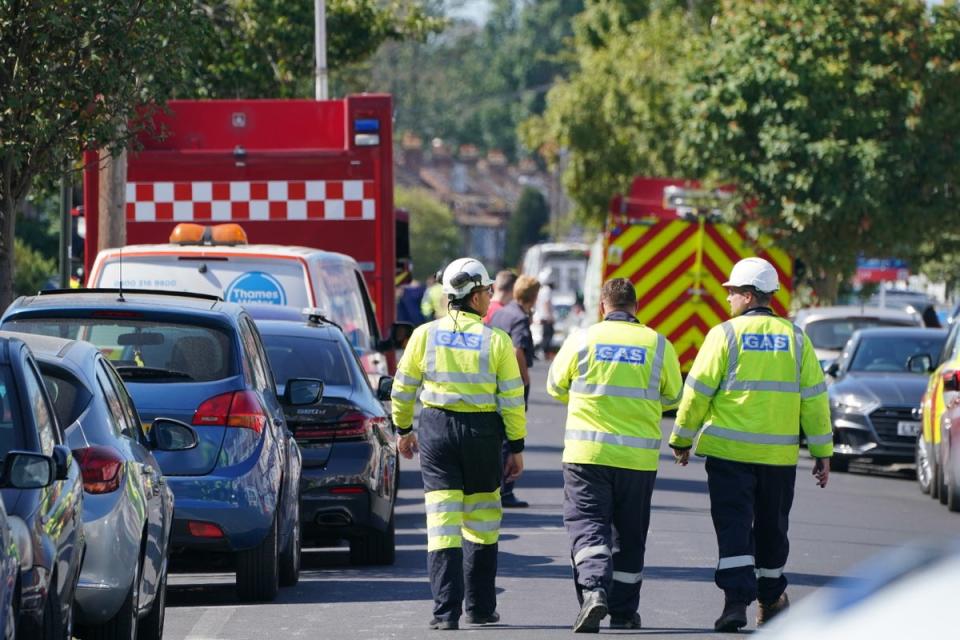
750,505
607,513
461,466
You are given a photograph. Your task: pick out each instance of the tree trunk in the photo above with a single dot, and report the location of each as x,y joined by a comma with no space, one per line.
8,216
112,221
826,286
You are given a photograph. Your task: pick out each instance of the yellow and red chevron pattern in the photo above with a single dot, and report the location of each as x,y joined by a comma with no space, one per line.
677,267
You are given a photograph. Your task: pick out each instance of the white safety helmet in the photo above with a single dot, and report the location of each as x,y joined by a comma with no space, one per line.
754,272
462,276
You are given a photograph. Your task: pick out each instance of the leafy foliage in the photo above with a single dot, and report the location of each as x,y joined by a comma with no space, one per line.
526,225
33,269
265,48
435,239
74,72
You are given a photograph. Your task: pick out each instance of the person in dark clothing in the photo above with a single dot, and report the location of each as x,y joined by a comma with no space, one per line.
514,318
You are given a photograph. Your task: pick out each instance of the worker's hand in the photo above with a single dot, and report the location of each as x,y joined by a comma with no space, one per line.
407,445
514,467
821,471
681,457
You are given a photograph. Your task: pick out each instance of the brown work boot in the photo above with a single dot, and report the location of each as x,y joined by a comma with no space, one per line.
733,618
767,611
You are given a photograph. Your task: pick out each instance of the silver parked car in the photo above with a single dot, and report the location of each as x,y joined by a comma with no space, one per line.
127,506
829,328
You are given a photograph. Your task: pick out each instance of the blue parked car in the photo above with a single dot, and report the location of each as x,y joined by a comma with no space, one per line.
45,512
9,574
197,359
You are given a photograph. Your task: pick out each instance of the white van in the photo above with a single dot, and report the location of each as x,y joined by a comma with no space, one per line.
298,277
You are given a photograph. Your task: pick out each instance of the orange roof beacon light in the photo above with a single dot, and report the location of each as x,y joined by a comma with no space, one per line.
187,233
230,234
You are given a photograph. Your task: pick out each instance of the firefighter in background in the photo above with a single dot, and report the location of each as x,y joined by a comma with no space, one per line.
616,378
434,302
754,385
472,395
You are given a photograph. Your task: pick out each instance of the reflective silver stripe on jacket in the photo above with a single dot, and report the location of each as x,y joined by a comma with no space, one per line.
735,561
682,432
509,403
482,525
612,438
410,396
826,438
509,385
443,399
590,552
628,578
404,379
730,381
457,376
579,386
469,507
815,390
749,436
448,530
700,387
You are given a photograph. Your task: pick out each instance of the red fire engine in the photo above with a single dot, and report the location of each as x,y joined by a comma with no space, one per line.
291,172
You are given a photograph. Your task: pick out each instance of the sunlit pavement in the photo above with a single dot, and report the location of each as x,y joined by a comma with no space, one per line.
832,530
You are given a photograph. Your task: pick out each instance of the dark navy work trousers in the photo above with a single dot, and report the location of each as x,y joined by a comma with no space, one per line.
750,505
606,511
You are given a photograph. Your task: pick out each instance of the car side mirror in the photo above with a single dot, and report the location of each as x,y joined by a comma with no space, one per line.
832,369
384,388
400,332
167,434
302,391
62,457
27,470
920,363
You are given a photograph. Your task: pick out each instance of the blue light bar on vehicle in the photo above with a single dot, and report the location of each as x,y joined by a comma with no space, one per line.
366,125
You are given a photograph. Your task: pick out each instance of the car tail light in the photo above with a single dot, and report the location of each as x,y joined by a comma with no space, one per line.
100,468
204,529
951,380
348,490
352,424
233,409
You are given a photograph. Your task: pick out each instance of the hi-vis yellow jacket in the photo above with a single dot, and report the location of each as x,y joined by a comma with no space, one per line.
616,377
463,365
753,386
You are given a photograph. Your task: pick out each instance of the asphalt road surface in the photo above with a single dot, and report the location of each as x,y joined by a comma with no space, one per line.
858,515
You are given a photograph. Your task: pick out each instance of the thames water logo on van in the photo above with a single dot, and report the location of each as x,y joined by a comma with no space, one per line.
459,340
765,342
625,353
256,287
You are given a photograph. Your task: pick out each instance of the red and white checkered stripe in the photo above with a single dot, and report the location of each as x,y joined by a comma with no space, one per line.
251,200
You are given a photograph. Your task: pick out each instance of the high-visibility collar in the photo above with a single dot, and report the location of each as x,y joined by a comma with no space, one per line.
621,316
465,309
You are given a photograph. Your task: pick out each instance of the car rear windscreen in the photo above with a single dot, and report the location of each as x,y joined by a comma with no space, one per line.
299,357
144,350
833,333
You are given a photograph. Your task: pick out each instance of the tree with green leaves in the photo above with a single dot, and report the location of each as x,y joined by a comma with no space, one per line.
33,269
75,73
526,226
265,48
435,239
838,122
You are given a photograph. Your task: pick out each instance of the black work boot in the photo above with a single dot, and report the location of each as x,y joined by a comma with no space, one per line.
444,625
479,618
767,611
592,611
628,622
733,618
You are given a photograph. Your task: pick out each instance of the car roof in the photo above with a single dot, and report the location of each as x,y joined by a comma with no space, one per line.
901,332
240,250
810,314
135,300
299,328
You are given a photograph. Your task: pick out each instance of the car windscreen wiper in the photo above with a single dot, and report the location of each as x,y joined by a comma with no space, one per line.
133,372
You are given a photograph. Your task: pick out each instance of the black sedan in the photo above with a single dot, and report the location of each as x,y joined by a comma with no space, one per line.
875,389
349,479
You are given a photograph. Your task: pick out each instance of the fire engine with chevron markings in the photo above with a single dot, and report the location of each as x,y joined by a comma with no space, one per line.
667,237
